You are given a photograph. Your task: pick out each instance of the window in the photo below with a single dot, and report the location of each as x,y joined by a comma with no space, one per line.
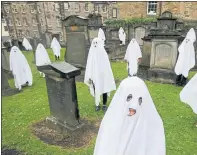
104,8
18,22
96,8
58,22
41,21
7,9
151,8
23,9
86,7
57,7
20,33
32,8
5,28
77,7
25,22
34,21
114,13
39,10
35,34
66,5
14,9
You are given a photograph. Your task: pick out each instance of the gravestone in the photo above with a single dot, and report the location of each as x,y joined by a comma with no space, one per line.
5,71
146,51
139,34
94,23
5,61
34,43
48,38
164,38
77,40
62,94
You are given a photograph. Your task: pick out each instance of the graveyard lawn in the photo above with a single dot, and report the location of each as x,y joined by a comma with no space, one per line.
22,110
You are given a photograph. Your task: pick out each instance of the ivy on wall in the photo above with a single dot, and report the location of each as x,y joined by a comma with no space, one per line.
131,21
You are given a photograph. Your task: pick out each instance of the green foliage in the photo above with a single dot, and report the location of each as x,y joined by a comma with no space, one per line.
20,111
131,21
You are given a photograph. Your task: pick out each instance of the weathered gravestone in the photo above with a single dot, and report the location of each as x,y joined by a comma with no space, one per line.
5,87
5,61
62,95
77,40
164,52
94,23
34,43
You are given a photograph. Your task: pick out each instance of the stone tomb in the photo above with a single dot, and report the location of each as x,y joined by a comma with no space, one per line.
164,38
77,40
62,95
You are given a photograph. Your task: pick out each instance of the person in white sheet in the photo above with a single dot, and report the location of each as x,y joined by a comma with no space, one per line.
122,36
133,57
42,57
56,48
101,35
98,75
186,58
20,68
26,44
188,94
131,124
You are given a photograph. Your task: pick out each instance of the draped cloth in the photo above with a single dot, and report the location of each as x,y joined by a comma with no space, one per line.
98,70
122,35
186,58
26,44
55,47
101,35
189,94
133,53
140,134
20,68
42,57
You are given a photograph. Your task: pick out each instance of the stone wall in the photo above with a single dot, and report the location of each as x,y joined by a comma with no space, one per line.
184,10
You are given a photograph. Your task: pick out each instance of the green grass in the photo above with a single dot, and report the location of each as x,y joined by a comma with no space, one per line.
31,105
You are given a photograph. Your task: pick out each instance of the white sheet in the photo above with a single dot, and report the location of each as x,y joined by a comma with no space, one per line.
140,134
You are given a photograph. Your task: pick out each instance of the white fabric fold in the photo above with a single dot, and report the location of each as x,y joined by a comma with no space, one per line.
186,58
189,94
55,47
20,68
42,57
122,35
133,53
140,134
98,70
26,44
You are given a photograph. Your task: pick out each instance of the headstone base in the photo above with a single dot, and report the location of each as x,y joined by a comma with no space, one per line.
58,125
161,76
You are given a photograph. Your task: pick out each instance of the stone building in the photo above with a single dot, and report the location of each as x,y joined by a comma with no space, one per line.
33,19
184,10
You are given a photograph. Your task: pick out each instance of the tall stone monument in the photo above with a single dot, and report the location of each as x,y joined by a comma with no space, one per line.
164,50
62,95
77,40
